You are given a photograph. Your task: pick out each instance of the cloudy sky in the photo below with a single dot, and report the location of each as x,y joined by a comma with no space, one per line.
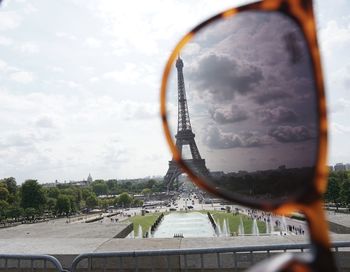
80,84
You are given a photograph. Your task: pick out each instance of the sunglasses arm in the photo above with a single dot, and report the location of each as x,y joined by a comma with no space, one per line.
323,259
320,257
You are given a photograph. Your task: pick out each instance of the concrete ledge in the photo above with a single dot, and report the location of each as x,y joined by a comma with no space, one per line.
337,228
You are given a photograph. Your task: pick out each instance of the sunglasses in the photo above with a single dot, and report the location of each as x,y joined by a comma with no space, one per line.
244,113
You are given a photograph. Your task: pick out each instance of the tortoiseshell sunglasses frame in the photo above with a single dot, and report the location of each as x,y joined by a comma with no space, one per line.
310,200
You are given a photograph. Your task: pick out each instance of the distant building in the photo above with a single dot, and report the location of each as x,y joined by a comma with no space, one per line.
89,179
340,167
78,183
50,184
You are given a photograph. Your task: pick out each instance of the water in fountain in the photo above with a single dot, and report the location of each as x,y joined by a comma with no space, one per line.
255,229
284,224
271,225
192,224
150,233
139,233
268,231
132,234
218,228
224,228
228,229
240,227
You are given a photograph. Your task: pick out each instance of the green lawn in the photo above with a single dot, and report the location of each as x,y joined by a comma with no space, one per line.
145,221
234,221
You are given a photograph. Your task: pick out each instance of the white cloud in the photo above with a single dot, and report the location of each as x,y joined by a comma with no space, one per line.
87,69
9,20
29,47
55,69
340,105
129,74
114,153
22,77
132,74
137,110
66,35
94,79
339,128
334,36
143,30
5,41
44,122
70,83
3,65
93,42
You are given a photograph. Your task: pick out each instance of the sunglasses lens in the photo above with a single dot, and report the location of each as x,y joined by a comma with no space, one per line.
242,107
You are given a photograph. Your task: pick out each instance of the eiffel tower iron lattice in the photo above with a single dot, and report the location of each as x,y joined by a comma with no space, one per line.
184,135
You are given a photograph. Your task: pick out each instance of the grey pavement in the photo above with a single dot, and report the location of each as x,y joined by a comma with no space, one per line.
339,218
54,229
174,243
57,237
60,243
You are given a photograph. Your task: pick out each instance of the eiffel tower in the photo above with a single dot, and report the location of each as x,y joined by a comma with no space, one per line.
184,135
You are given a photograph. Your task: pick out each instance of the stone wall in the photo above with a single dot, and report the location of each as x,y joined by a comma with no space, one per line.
337,228
125,232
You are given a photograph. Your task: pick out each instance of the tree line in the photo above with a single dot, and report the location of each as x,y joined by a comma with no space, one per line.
31,200
338,191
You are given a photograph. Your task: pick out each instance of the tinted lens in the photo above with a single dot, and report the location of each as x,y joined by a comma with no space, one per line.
242,106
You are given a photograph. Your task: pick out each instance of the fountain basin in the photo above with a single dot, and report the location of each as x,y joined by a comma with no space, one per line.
192,224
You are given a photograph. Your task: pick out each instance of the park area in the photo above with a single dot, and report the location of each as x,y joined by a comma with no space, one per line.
228,224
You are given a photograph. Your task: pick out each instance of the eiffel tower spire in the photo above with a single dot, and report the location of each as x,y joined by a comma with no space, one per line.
183,122
184,135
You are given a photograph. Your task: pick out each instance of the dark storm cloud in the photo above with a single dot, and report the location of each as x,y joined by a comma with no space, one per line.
223,77
230,115
287,134
278,115
216,139
270,96
251,140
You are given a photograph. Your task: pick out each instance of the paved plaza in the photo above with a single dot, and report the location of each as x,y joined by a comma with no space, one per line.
57,237
74,236
339,218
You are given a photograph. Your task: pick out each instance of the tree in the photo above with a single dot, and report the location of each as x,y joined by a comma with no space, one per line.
345,192
151,183
51,204
333,191
91,201
4,193
86,192
53,192
137,202
124,199
112,184
4,206
104,203
32,195
14,212
74,203
146,192
30,213
63,204
11,185
99,187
